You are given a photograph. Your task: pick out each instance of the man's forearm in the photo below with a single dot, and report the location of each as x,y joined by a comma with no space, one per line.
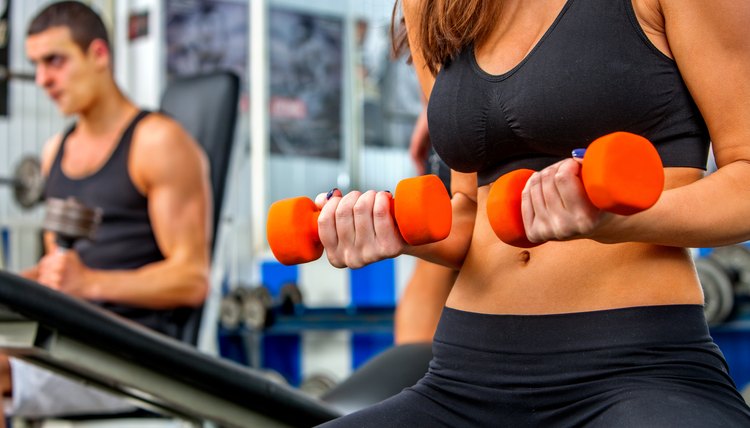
31,273
161,285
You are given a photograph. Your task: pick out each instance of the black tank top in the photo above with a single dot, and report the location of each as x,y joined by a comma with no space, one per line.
124,239
592,73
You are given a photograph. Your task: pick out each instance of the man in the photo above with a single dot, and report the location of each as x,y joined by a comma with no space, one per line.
150,258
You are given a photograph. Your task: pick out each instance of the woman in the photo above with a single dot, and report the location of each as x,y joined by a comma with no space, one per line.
602,324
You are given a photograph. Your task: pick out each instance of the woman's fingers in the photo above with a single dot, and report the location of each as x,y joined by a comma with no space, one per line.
389,240
358,228
555,206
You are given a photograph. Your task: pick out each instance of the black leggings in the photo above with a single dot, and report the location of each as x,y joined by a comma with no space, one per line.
636,367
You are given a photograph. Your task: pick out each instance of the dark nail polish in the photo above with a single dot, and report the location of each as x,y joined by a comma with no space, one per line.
578,153
329,195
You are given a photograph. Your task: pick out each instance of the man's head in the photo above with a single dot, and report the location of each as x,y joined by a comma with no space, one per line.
69,45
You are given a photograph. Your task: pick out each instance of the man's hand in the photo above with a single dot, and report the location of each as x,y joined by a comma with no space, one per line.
64,271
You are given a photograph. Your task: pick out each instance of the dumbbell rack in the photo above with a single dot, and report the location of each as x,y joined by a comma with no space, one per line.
352,319
277,345
349,321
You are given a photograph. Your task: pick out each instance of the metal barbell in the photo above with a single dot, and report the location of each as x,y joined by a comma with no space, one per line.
27,182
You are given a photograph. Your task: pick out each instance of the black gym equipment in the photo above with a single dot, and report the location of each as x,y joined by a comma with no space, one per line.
383,376
80,340
206,106
84,342
27,182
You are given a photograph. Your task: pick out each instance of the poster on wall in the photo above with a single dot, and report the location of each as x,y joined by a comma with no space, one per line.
306,83
4,64
392,96
137,25
207,35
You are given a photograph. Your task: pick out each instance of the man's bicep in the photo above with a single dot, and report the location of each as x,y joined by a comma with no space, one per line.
180,203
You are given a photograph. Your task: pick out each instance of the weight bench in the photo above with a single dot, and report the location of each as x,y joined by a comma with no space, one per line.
86,343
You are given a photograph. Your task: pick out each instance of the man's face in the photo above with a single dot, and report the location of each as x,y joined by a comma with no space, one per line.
63,70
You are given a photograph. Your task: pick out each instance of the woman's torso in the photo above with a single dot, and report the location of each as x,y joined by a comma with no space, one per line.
575,81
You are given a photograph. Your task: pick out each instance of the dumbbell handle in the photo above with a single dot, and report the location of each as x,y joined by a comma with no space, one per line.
421,209
309,223
9,181
70,220
621,173
64,243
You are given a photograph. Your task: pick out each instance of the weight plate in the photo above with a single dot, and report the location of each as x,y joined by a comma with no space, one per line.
317,384
290,297
254,312
274,376
717,290
70,218
735,259
261,293
29,182
230,313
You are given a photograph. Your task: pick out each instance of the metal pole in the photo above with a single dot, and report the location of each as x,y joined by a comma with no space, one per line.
259,121
353,115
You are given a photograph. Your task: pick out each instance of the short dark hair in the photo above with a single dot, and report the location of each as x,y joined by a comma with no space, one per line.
85,25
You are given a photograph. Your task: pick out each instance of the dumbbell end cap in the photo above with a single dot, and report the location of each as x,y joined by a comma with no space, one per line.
622,173
292,232
423,209
504,208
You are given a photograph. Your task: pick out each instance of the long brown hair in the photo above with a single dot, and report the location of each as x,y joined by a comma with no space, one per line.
445,27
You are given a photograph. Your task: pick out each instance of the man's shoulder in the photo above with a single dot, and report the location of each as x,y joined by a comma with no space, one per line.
158,124
160,142
49,151
158,131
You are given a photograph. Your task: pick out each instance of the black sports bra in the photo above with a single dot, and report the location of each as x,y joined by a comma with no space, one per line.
592,73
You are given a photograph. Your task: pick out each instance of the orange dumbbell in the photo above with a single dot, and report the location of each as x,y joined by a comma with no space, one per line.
622,173
421,208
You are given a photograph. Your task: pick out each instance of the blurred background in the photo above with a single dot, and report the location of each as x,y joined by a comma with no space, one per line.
323,104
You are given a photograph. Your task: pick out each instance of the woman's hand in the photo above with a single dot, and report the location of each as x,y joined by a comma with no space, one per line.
555,207
358,229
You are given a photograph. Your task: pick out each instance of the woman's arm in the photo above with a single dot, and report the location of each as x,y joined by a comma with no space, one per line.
709,43
452,250
357,229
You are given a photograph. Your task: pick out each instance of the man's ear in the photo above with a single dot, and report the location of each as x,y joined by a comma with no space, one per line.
99,51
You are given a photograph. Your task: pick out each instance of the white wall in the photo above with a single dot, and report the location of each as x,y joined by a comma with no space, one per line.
144,69
31,121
